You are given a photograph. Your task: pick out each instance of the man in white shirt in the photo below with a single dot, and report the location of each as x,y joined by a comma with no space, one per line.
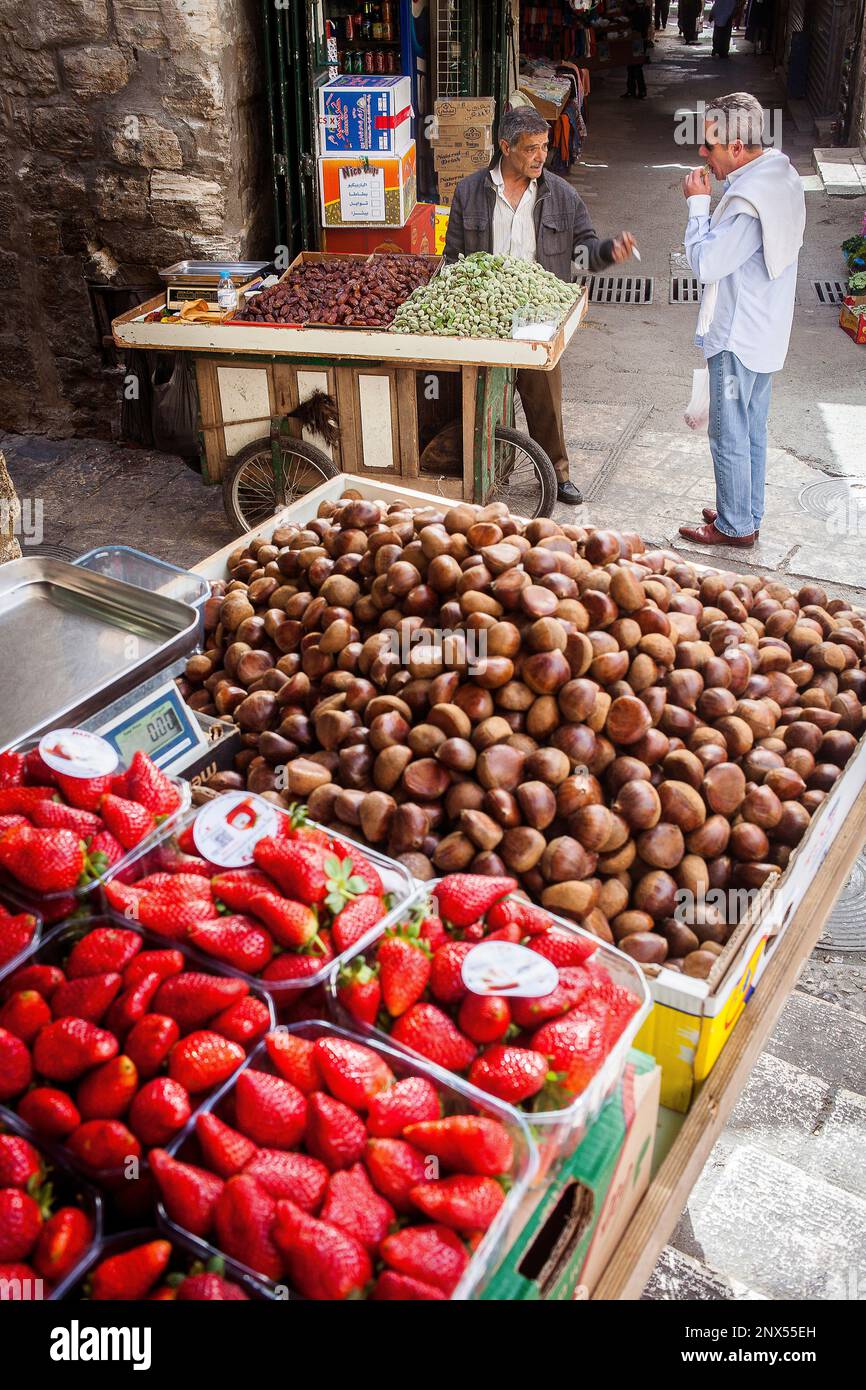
746,257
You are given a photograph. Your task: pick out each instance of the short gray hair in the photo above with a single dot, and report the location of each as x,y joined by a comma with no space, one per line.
738,116
523,120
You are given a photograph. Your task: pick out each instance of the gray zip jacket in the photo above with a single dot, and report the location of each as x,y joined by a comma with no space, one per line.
562,225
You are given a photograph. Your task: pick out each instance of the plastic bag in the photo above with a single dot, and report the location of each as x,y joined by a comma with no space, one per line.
697,413
175,408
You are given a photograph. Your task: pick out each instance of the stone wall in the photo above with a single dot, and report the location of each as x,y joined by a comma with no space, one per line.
132,133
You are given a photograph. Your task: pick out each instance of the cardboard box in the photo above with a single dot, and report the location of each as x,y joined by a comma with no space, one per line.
469,137
416,238
363,114
462,161
465,110
572,1232
367,191
691,1020
442,214
852,322
447,186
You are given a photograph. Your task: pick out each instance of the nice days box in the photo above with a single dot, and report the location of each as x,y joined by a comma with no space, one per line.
364,114
361,190
691,1020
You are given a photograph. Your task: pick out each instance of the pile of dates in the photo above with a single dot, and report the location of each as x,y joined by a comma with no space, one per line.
366,293
618,730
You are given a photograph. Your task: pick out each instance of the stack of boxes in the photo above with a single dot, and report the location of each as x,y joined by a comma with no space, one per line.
463,141
367,157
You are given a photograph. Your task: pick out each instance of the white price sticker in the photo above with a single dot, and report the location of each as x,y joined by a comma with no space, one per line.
503,967
77,753
227,830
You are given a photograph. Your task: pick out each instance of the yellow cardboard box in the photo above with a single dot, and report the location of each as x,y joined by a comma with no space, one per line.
441,229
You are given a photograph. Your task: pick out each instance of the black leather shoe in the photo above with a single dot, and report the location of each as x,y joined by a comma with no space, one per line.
567,492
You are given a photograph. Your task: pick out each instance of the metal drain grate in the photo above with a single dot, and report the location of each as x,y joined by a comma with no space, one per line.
835,500
846,927
684,289
829,292
619,289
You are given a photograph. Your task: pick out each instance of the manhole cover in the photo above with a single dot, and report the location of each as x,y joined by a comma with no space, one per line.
846,928
838,502
829,291
619,289
684,289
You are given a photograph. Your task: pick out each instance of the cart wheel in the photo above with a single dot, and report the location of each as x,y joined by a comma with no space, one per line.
251,494
523,475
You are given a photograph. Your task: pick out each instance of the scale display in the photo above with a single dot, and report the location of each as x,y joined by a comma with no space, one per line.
160,725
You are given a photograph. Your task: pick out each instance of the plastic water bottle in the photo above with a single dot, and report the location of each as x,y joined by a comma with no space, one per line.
227,295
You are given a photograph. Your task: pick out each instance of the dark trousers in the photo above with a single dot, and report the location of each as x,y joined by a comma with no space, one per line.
541,397
662,9
722,38
636,82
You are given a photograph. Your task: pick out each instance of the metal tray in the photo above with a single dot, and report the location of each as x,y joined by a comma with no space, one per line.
209,272
72,641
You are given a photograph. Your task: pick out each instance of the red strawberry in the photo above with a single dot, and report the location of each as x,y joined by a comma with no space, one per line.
463,898
295,1059
511,1073
16,934
469,1143
237,887
446,979
292,924
64,1239
512,932
128,822
103,852
44,979
162,963
299,1177
51,1113
322,1261
361,866
295,826
204,1059
433,1254
235,940
65,1049
244,1022
298,965
20,801
335,1134
170,909
189,1194
355,1205
474,932
103,1145
356,918
297,866
392,1287
410,1101
574,1046
427,1030
19,1161
12,767
87,997
149,1042
24,1275
131,1275
50,815
11,822
123,898
562,947
244,1222
132,1005
395,1168
352,1072
404,970
431,930
193,998
103,950
36,770
160,1109
269,1110
484,1018
24,1014
211,1288
150,787
532,921
359,991
16,1069
574,980
20,1223
106,1092
225,1150
50,861
83,792
464,1203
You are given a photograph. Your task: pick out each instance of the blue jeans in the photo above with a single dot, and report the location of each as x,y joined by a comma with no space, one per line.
739,405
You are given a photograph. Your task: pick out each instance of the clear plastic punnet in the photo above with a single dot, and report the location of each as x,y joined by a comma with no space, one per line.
184,1259
557,1131
456,1099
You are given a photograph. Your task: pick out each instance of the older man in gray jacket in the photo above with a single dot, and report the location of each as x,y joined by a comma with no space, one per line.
518,208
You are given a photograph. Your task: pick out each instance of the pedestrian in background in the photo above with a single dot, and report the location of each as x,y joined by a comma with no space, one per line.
662,10
722,15
689,12
745,255
640,17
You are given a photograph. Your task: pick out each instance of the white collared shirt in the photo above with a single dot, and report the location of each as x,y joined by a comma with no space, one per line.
513,228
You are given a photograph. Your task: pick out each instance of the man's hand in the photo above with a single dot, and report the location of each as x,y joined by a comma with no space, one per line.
697,181
623,245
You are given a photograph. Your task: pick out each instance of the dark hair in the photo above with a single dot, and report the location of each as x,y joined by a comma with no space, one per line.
523,120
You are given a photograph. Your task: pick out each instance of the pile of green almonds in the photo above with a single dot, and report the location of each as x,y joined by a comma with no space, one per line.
478,295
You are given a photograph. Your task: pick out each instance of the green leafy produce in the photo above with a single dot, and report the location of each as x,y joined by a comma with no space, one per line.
857,283
478,295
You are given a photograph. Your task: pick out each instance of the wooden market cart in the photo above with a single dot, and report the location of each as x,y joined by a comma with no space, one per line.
250,377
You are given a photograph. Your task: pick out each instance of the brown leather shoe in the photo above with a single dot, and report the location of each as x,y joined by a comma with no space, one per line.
708,535
710,514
